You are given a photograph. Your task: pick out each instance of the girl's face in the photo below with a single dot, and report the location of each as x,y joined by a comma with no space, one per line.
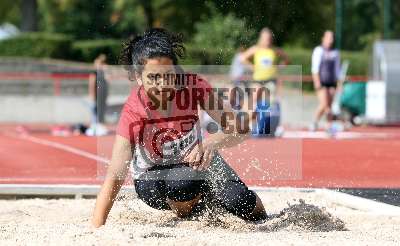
153,74
265,39
327,40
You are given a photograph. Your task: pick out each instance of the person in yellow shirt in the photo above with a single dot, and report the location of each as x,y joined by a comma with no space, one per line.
262,58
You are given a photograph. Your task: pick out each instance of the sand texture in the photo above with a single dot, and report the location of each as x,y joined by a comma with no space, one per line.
297,218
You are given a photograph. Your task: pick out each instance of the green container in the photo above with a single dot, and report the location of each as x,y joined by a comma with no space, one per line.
353,97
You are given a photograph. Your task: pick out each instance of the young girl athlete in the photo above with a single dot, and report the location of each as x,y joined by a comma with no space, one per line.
174,168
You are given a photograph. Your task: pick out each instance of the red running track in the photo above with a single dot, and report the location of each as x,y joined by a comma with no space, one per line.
367,162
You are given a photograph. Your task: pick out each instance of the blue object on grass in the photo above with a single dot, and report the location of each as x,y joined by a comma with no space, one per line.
268,119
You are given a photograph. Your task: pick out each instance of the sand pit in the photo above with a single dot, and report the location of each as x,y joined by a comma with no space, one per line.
297,218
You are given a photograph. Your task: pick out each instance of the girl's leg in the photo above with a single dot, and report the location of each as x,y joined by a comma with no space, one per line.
180,188
330,95
239,200
232,193
322,95
257,92
151,189
172,187
183,209
152,192
184,189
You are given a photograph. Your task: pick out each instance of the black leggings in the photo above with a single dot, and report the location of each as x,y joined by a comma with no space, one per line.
183,183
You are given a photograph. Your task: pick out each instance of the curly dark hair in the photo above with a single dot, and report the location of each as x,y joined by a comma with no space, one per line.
155,42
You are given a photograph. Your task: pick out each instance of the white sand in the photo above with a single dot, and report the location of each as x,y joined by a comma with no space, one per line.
66,222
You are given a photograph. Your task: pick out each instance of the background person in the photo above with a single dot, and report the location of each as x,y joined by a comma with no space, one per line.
98,93
262,58
325,71
239,71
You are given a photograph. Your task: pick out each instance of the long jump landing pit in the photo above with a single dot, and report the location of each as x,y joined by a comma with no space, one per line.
299,216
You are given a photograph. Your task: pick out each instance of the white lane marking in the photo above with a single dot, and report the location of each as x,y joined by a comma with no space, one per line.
56,189
344,199
65,148
360,203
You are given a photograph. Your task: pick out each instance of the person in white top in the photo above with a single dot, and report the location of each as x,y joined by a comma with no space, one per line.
325,71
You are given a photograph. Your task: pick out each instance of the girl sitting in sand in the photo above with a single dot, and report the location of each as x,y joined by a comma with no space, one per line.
158,135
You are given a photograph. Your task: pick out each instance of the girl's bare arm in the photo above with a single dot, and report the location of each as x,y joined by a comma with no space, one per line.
116,173
316,81
284,58
226,118
247,55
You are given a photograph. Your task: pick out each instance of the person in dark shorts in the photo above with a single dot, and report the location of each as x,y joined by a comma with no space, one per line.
325,73
264,58
173,166
218,184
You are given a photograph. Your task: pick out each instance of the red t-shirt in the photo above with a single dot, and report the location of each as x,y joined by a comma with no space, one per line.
158,138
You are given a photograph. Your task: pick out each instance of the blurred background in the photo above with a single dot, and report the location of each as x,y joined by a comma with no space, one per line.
80,30
60,37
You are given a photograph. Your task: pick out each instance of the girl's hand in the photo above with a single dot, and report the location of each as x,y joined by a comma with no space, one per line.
201,155
98,220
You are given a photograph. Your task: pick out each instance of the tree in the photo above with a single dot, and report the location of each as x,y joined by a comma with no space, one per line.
10,12
29,13
82,19
395,21
224,33
300,21
149,12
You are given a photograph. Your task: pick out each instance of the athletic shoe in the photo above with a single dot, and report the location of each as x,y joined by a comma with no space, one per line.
313,127
332,130
96,130
279,131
